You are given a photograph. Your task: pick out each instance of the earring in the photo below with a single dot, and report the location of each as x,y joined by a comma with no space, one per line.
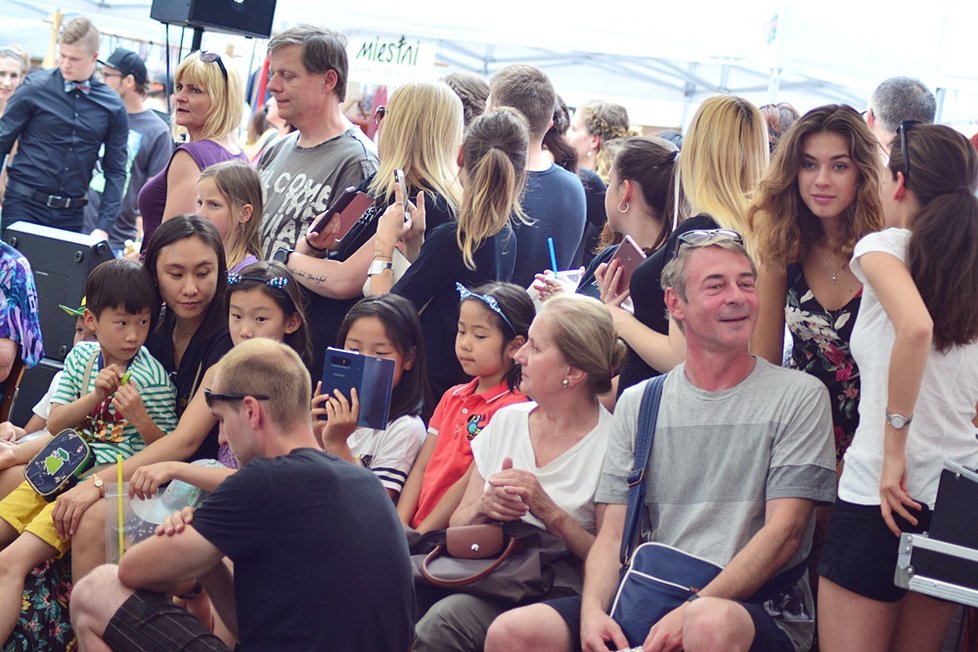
623,210
590,154
566,383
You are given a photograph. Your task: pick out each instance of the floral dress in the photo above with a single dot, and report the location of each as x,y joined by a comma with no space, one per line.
820,340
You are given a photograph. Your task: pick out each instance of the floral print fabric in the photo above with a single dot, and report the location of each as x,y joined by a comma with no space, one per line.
820,340
18,305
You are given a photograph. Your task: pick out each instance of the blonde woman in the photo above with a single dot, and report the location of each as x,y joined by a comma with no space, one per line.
208,100
468,251
14,66
724,156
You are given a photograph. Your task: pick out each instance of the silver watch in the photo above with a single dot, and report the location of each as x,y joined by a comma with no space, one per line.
379,267
898,421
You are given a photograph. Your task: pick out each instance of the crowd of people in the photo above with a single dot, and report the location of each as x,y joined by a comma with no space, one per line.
809,290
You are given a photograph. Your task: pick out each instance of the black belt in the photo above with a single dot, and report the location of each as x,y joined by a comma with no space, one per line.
51,201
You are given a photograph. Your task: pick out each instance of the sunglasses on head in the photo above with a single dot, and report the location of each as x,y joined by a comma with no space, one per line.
214,57
212,397
379,113
706,237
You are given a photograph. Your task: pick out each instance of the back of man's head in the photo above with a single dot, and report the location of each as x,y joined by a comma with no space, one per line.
529,91
322,50
902,98
122,284
82,32
263,367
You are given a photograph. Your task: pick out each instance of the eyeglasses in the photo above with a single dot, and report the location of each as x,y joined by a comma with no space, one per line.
706,237
904,152
214,57
379,113
277,282
464,293
106,75
211,397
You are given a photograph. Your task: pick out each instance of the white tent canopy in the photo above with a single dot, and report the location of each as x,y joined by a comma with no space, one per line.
658,61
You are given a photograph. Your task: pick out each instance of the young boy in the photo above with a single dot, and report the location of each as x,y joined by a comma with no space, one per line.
114,393
14,456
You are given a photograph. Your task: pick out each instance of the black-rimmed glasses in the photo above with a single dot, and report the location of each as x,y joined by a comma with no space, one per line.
904,152
706,237
212,397
214,57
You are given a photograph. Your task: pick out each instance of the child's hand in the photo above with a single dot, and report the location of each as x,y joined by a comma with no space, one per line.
341,417
130,404
10,432
107,382
146,480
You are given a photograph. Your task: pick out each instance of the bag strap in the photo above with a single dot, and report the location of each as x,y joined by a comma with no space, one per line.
463,581
648,415
87,376
780,582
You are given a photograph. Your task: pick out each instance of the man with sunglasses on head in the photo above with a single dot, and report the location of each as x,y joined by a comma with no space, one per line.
742,453
149,145
320,559
61,119
898,100
304,172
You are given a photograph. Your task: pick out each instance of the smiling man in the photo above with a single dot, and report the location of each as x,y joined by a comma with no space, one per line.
742,454
320,559
302,172
62,117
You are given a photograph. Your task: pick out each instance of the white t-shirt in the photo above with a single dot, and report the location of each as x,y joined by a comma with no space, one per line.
43,407
570,480
389,453
941,427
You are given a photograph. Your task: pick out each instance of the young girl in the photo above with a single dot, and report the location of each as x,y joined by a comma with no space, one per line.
916,342
229,195
493,323
263,301
382,327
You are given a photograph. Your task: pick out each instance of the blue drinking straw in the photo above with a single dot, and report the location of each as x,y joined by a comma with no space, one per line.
553,255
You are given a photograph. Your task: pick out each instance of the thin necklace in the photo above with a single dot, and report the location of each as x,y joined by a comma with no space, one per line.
835,274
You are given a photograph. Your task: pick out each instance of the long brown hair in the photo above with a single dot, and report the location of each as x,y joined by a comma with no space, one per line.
782,226
943,251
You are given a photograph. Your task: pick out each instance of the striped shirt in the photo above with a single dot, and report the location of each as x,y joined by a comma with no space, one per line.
389,453
105,429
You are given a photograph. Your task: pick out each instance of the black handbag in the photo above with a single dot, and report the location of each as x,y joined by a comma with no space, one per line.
510,562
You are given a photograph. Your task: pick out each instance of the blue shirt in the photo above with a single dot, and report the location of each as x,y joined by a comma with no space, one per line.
60,136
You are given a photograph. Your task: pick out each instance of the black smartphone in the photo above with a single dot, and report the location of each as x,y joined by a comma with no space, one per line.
341,202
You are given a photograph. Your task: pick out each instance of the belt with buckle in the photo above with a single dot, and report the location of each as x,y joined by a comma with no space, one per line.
51,201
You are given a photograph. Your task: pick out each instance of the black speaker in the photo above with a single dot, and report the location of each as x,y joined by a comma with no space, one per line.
32,387
244,17
61,261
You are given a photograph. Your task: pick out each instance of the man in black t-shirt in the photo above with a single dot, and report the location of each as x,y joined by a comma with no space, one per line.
320,558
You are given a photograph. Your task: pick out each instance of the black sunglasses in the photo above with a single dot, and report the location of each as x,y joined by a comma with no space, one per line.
705,237
379,113
211,397
214,57
904,152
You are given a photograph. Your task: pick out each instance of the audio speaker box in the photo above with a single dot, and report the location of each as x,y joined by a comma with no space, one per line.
244,17
61,261
33,385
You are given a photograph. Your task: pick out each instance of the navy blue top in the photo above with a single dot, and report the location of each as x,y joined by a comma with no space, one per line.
60,135
555,202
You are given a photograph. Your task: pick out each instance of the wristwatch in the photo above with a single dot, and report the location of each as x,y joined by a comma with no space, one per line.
99,484
379,267
282,254
898,421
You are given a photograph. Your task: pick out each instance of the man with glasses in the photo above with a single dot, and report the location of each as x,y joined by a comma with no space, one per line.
320,559
897,100
303,172
742,454
149,145
62,118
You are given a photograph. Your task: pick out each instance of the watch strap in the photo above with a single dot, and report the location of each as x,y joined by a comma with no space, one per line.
379,267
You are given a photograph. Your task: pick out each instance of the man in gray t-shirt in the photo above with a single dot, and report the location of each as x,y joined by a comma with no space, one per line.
742,455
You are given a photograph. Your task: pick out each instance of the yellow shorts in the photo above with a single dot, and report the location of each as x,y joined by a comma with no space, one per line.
26,511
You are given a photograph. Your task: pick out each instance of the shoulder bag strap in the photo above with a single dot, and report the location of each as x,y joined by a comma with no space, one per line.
645,433
87,376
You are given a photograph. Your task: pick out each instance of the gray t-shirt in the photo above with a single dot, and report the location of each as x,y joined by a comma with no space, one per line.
719,456
299,183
